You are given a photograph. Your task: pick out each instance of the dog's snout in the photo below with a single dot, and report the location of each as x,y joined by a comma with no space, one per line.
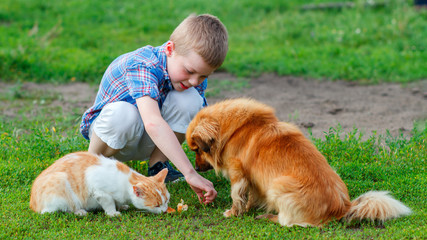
203,168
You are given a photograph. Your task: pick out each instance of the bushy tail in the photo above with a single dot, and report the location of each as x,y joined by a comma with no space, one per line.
376,206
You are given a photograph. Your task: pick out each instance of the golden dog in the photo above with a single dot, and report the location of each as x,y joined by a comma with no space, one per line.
271,164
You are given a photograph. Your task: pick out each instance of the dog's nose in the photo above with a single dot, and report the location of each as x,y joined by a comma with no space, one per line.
197,168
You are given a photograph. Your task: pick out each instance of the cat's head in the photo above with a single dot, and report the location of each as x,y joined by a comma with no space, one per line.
150,193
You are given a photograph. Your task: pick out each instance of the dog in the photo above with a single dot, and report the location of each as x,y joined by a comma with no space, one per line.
271,164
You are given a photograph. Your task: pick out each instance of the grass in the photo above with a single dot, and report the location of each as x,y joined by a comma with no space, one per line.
76,40
216,86
38,134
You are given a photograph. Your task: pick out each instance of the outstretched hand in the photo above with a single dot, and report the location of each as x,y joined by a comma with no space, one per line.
202,187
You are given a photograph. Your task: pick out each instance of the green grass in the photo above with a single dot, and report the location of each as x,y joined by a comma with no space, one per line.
38,134
76,40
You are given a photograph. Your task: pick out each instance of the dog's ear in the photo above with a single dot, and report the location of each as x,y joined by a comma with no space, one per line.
204,145
205,134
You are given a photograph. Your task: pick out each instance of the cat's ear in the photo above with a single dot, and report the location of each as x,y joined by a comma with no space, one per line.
160,177
138,191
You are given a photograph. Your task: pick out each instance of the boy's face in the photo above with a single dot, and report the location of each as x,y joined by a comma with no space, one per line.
186,71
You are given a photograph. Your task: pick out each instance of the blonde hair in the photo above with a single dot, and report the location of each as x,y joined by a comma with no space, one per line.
205,35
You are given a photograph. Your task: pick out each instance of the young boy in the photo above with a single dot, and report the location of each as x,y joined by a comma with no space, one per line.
148,97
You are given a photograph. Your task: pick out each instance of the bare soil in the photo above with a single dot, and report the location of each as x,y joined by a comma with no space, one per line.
314,104
320,105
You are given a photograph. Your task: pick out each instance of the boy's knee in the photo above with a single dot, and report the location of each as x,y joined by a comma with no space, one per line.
179,108
188,101
121,116
118,123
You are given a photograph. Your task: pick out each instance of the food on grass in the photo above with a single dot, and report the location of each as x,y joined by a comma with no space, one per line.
170,210
181,206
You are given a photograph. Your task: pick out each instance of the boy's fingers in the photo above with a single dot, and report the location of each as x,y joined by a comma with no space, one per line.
198,196
204,189
210,196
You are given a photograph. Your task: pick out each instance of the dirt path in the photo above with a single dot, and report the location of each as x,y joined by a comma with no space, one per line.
307,103
324,104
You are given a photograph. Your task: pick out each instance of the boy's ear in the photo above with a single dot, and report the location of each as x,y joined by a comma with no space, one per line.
170,47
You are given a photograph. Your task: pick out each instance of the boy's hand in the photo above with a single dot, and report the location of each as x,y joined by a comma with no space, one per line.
201,185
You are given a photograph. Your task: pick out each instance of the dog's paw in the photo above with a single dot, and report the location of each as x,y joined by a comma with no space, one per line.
271,217
228,213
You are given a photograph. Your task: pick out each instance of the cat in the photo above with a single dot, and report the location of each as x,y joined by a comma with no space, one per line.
80,182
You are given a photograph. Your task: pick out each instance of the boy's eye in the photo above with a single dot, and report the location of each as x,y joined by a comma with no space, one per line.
188,71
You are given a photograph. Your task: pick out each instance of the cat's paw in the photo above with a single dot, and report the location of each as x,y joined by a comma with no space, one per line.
80,212
124,207
113,213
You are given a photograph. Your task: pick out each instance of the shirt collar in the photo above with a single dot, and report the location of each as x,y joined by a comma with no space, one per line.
161,54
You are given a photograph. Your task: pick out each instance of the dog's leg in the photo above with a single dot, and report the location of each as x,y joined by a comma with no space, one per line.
238,192
239,187
251,199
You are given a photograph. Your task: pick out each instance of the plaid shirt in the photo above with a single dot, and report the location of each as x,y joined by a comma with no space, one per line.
133,75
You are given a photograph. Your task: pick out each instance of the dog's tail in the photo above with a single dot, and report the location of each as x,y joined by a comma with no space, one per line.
376,206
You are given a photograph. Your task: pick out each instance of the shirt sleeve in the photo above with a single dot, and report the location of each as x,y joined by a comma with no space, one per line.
142,82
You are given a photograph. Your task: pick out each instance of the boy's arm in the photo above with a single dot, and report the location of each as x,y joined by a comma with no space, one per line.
165,139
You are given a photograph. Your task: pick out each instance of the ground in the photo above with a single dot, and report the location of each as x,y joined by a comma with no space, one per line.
308,103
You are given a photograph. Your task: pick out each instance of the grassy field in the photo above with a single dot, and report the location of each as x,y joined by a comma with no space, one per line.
35,137
64,41
76,40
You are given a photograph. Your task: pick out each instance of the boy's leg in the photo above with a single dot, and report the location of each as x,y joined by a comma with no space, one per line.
116,131
97,146
178,110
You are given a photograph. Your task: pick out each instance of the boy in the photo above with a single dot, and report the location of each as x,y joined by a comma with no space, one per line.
148,97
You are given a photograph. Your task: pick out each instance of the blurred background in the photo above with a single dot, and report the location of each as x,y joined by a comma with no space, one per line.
75,40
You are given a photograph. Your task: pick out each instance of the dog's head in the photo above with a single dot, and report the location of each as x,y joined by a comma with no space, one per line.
202,135
210,130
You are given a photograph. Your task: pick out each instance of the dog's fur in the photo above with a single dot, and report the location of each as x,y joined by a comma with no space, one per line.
271,164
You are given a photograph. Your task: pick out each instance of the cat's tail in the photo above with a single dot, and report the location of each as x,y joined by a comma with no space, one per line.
35,197
376,205
33,204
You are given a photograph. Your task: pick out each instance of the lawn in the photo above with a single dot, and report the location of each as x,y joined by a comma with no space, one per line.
65,41
75,40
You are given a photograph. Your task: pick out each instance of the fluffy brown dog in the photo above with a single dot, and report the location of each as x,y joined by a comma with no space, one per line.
271,164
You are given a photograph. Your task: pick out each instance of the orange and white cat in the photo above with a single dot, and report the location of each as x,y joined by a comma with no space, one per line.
80,182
